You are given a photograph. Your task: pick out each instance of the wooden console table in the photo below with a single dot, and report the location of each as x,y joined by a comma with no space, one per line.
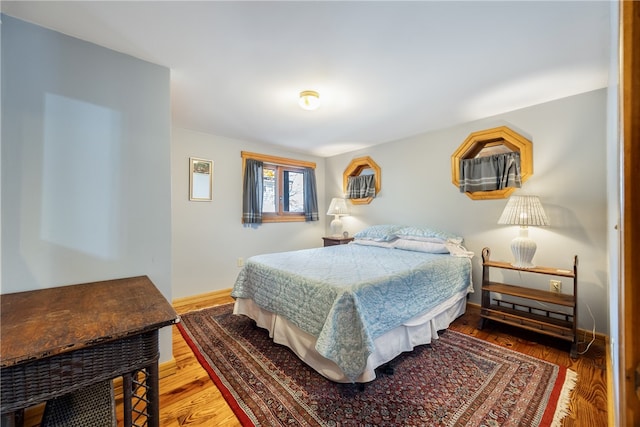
58,340
561,325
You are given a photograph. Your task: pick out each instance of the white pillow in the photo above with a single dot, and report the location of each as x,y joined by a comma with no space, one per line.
366,242
421,246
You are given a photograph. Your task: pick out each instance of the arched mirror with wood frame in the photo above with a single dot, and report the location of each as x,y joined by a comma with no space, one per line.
491,142
362,166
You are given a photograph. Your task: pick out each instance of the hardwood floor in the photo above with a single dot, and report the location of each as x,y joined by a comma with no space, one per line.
189,397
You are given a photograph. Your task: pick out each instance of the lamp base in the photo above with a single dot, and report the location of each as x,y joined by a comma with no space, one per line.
523,249
336,227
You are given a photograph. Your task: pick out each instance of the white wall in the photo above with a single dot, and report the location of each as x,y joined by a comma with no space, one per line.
614,179
85,164
208,237
569,140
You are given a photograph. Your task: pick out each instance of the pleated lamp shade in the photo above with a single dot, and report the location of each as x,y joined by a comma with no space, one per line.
337,208
523,211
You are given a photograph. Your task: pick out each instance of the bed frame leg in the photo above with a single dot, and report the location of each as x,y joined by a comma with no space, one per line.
387,368
350,389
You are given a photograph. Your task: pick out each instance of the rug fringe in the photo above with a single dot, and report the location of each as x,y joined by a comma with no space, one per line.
562,408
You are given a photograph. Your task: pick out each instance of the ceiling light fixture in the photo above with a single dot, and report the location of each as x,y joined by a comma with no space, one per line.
309,100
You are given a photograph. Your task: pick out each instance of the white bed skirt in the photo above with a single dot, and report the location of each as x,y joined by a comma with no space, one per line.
417,331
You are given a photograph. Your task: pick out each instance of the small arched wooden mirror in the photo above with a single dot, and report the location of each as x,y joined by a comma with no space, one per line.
357,167
490,142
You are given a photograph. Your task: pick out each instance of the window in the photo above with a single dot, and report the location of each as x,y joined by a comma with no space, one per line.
277,189
283,190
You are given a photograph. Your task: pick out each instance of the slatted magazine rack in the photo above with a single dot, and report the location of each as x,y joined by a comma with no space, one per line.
548,321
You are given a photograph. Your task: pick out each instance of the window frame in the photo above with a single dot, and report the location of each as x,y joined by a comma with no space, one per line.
281,164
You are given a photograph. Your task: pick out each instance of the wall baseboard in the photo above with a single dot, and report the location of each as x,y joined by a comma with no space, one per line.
196,302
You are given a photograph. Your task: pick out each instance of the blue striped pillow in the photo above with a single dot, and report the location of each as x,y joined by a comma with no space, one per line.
427,234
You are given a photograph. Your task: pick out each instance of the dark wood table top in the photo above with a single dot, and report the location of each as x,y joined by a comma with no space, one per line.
46,322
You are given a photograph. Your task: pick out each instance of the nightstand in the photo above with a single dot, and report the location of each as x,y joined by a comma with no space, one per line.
333,241
531,316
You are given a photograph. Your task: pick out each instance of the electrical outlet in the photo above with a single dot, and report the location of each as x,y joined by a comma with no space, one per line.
555,286
240,262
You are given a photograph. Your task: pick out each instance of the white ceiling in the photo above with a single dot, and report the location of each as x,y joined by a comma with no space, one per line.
384,70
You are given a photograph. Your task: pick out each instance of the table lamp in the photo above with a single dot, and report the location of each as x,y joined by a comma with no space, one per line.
337,208
523,211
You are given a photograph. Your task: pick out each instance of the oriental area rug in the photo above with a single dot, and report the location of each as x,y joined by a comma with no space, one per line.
458,380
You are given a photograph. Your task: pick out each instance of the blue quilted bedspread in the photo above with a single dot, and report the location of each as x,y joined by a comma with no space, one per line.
348,295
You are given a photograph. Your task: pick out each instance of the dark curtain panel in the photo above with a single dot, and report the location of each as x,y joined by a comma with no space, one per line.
490,173
252,192
310,195
361,187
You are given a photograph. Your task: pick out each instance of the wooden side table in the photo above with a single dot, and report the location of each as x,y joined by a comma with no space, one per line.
334,241
60,340
530,316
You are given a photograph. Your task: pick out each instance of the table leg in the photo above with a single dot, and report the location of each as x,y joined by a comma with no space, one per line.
153,387
127,385
13,419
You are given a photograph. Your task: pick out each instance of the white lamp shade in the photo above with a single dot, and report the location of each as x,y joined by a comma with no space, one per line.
523,211
338,206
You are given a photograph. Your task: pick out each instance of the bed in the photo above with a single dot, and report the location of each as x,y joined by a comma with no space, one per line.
346,310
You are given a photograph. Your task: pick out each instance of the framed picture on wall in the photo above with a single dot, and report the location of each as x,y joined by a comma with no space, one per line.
200,179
